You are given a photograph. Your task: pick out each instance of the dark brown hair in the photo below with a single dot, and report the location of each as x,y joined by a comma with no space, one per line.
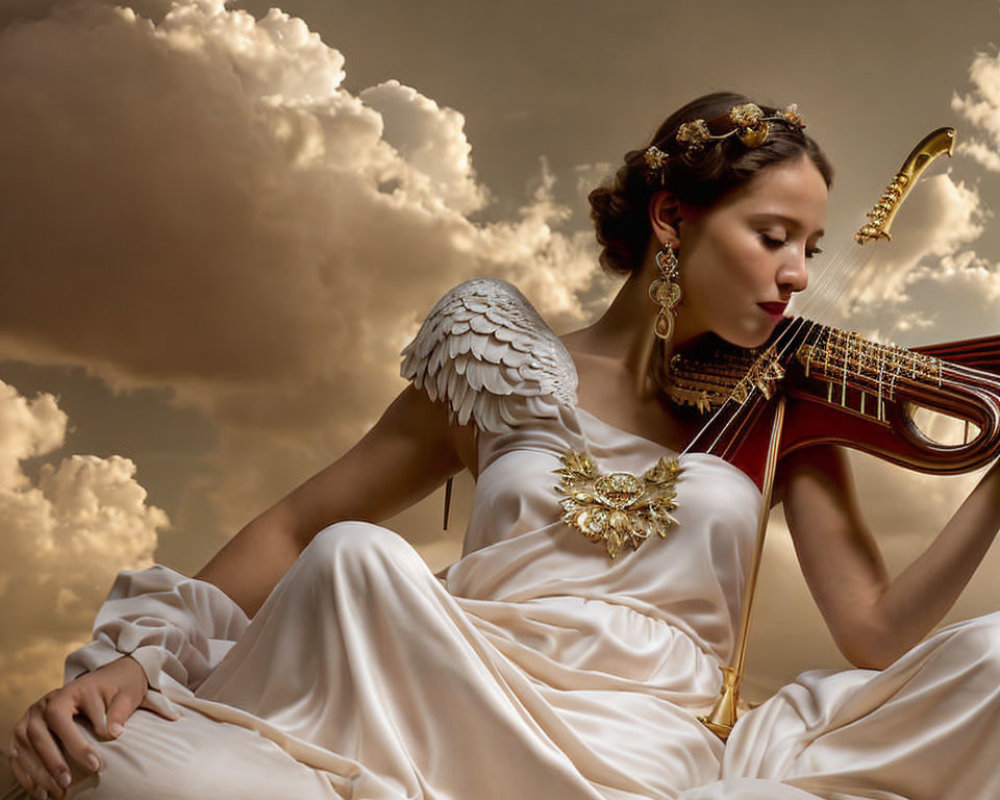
620,207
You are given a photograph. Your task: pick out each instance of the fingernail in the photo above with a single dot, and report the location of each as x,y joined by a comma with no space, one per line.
41,794
65,779
115,729
13,751
93,763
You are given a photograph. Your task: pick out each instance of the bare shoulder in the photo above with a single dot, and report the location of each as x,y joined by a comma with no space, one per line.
429,422
606,388
429,427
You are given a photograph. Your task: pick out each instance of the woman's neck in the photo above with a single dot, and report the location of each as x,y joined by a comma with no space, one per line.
624,332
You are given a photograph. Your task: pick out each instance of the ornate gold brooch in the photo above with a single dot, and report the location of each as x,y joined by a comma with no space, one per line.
619,509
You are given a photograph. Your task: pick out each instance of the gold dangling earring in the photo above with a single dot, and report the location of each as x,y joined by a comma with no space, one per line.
665,291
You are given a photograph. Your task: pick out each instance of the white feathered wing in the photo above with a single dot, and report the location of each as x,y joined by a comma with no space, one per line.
482,347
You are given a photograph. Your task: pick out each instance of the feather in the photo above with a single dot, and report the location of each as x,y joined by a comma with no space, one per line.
480,324
461,362
463,406
441,383
460,344
457,399
479,345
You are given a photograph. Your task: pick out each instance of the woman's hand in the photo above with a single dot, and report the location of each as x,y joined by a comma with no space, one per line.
107,697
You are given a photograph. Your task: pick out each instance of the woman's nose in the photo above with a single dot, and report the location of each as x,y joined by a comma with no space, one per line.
794,274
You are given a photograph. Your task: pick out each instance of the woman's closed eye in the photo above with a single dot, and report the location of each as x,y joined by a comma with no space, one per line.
773,243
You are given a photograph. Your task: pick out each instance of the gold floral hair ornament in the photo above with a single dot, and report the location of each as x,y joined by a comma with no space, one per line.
655,158
746,121
694,134
791,117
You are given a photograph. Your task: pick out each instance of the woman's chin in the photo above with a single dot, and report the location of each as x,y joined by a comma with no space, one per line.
748,333
747,339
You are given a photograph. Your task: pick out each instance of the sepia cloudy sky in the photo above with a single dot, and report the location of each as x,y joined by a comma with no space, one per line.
221,222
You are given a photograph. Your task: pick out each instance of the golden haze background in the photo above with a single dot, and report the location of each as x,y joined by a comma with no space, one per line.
222,222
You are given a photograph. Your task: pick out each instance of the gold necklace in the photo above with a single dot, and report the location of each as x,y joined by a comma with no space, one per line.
619,509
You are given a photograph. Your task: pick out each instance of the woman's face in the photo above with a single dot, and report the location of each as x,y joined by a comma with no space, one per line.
743,258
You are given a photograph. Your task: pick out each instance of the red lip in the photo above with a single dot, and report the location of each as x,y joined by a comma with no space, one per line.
774,309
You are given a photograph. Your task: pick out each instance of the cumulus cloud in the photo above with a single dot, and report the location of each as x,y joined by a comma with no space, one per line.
196,202
981,107
27,428
64,534
432,141
228,217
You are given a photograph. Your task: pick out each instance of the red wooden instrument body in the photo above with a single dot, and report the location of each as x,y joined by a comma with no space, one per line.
850,402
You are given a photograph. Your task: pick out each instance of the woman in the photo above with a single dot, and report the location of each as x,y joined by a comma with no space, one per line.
569,651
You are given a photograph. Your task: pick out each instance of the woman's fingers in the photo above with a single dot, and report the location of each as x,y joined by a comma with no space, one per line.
93,704
21,774
39,751
47,724
31,772
76,745
47,733
120,708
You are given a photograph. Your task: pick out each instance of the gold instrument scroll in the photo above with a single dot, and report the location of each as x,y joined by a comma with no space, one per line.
934,144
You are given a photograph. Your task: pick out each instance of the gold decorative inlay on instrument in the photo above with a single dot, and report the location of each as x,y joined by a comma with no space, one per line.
836,357
728,373
618,508
764,374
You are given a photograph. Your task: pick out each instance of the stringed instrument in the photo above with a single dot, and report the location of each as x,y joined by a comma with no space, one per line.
814,384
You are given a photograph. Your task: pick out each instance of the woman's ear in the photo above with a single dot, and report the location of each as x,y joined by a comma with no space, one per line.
665,218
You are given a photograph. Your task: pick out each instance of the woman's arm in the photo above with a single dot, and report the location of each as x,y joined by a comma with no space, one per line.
873,619
409,452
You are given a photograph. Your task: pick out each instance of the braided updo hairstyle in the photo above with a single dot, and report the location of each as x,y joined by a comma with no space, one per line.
620,208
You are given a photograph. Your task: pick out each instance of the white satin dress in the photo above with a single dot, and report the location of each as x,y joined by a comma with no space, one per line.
534,667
